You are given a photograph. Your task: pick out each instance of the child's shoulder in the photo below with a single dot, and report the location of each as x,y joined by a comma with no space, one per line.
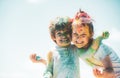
53,52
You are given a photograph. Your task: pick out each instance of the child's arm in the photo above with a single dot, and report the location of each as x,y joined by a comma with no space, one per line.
49,56
108,68
93,48
98,40
108,71
49,70
37,59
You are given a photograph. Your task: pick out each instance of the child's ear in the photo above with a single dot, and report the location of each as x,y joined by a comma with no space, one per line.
53,38
92,35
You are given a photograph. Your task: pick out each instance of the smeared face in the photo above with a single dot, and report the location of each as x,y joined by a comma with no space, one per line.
62,38
81,36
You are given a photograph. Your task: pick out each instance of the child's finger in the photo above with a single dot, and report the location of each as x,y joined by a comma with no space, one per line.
97,73
33,57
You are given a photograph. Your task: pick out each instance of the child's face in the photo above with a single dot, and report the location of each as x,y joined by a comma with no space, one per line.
62,38
81,36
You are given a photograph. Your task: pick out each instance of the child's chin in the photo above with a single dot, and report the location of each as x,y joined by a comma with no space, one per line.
65,45
79,46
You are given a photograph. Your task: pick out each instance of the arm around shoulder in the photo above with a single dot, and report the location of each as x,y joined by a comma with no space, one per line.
108,68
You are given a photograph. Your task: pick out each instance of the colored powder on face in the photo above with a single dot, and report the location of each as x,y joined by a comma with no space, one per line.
82,30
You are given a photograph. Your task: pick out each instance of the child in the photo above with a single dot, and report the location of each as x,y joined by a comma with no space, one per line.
62,62
104,57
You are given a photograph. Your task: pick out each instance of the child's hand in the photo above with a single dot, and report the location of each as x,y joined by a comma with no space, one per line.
105,35
37,59
97,73
33,58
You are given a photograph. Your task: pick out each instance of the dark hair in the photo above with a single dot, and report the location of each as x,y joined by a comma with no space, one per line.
60,23
91,27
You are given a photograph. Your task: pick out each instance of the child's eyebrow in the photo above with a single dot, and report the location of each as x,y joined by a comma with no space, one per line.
67,32
74,33
59,33
84,34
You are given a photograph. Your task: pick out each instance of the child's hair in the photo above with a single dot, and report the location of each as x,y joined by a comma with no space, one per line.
60,23
83,19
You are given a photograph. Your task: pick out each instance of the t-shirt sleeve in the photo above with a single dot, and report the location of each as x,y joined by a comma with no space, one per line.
102,52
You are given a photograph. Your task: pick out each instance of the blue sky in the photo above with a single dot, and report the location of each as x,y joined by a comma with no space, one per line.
24,30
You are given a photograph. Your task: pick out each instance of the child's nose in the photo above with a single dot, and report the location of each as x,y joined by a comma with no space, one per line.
79,40
64,36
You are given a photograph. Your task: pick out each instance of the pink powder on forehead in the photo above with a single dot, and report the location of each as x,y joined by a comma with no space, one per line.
79,28
83,29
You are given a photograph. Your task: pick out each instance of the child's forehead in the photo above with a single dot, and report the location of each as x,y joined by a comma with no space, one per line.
64,30
80,29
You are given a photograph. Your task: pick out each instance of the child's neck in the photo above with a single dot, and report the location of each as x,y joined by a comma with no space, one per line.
64,46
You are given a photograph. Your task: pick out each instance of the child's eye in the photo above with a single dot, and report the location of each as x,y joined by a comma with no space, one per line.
59,34
75,34
84,35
